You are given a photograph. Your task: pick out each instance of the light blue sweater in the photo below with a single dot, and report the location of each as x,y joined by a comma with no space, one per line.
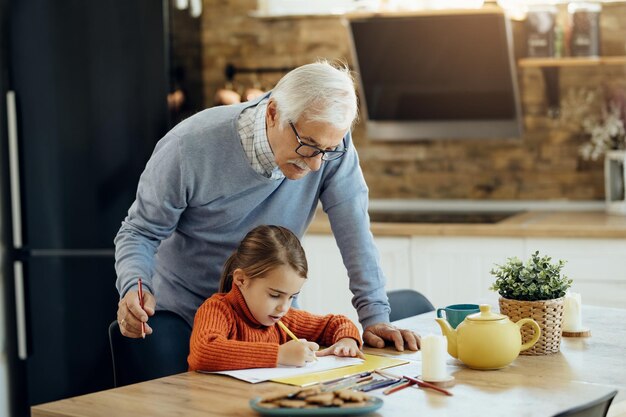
199,196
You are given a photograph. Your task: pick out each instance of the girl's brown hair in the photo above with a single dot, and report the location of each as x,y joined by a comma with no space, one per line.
263,249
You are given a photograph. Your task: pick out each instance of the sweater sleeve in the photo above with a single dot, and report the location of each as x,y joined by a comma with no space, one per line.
152,217
324,330
211,349
345,200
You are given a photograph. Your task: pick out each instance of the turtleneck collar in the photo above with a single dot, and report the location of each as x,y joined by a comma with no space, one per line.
235,298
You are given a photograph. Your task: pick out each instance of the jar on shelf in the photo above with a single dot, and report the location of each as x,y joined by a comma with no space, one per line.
585,28
540,24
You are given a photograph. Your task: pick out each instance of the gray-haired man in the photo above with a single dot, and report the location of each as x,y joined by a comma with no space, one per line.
223,171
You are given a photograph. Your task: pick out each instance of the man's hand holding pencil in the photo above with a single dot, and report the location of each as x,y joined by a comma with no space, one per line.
131,315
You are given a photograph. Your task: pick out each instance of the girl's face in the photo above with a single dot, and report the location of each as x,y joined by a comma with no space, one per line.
269,297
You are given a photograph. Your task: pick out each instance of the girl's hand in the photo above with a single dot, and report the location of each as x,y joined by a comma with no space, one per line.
343,347
297,352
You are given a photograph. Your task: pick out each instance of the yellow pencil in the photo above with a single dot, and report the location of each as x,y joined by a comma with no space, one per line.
290,334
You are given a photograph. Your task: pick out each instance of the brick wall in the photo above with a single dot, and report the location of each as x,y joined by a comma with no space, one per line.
544,165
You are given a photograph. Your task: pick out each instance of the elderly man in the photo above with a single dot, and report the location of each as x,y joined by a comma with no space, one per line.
227,169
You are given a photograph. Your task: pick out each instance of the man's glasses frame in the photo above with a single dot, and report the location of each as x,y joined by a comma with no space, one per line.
314,150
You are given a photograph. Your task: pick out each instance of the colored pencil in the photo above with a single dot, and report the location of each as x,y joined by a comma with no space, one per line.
347,383
400,385
345,377
140,295
423,384
418,382
374,385
353,384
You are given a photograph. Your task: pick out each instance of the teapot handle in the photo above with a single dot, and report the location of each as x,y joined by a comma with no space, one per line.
535,338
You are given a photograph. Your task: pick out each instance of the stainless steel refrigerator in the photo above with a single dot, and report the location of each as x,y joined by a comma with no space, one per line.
84,87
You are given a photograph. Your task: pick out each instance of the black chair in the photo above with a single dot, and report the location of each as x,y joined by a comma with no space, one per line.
595,408
407,303
160,354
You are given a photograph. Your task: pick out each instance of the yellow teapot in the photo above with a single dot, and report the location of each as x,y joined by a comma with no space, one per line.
487,340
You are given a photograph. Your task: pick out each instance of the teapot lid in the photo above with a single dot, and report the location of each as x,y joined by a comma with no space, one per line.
485,314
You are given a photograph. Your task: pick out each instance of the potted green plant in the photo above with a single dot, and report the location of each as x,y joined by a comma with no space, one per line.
534,289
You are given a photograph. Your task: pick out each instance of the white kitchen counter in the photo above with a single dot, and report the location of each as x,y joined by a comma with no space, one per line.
536,219
451,263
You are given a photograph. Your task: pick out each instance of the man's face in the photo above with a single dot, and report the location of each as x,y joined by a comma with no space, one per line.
284,143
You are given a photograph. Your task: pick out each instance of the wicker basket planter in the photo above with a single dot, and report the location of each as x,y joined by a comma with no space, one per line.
547,313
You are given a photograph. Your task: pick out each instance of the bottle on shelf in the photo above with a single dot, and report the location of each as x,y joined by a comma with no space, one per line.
558,41
540,25
584,28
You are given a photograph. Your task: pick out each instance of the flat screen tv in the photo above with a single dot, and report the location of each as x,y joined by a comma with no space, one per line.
434,76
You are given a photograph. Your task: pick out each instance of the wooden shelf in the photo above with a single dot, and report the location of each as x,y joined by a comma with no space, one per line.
550,68
361,14
265,16
571,61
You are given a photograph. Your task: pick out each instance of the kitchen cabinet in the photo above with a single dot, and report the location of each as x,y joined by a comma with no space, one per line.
455,269
327,288
597,266
446,270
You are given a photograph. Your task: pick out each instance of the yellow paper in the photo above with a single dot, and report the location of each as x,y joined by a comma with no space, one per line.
371,362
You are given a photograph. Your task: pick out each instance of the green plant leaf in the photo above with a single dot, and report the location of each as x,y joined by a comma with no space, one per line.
536,279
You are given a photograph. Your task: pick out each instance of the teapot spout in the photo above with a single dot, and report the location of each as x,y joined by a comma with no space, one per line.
450,334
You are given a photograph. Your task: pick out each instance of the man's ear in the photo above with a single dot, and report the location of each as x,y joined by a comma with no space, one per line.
240,278
271,114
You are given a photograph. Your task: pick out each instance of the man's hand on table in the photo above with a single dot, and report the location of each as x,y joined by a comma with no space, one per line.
130,315
377,334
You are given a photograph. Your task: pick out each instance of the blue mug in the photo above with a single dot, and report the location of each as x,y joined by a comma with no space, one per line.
456,313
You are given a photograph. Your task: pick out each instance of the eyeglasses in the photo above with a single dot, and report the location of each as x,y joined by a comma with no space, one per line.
309,151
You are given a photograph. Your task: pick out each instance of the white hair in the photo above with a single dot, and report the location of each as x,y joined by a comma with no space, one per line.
318,92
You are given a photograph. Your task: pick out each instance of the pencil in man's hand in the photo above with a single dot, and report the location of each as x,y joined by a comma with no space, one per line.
290,334
140,294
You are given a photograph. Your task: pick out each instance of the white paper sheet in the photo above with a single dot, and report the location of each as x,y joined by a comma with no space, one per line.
323,363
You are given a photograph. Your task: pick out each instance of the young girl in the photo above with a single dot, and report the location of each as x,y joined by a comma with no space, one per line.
236,328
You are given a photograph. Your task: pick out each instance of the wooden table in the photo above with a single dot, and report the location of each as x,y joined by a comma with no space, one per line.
585,369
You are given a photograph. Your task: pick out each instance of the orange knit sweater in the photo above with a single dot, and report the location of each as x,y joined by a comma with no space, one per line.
226,336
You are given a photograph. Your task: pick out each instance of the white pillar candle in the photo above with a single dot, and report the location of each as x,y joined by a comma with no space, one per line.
434,352
572,315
